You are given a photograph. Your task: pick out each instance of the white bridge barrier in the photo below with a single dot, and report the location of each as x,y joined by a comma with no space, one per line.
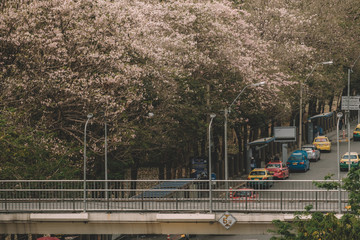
182,196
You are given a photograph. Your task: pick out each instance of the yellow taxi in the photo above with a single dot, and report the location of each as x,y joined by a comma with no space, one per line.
259,178
353,162
322,143
356,133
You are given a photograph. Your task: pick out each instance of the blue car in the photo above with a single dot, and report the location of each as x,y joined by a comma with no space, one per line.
298,161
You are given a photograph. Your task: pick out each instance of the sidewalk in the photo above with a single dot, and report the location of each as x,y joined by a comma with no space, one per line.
332,135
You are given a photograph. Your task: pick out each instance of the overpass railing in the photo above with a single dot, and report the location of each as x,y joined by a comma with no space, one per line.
182,195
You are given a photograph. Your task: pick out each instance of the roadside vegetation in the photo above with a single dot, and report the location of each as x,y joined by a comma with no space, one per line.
313,225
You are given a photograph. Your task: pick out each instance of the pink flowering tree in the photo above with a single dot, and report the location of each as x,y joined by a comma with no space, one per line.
121,60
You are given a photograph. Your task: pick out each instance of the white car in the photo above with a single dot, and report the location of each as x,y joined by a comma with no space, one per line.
313,153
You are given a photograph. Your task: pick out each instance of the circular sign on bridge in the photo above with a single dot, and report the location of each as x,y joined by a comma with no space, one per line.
227,220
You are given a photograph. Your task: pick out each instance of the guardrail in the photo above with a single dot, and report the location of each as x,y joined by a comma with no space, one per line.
183,195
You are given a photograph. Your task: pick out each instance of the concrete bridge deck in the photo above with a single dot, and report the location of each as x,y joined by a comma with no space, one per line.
136,223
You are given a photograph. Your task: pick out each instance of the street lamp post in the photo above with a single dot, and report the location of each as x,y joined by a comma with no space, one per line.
339,115
300,106
226,113
90,115
348,110
212,116
106,162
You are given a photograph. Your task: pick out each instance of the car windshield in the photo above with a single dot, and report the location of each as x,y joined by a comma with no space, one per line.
321,140
308,148
257,173
351,157
295,157
273,165
357,129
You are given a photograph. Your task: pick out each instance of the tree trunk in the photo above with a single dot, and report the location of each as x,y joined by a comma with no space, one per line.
203,147
133,174
312,107
331,102
168,170
161,172
239,158
245,140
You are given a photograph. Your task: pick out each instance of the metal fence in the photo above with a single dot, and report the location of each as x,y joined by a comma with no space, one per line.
184,195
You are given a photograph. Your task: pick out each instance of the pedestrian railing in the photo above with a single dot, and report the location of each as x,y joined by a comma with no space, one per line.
183,195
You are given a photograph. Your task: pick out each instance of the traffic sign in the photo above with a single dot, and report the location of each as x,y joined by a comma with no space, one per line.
227,220
352,103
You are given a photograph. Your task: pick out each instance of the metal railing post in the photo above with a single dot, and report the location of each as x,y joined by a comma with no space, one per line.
340,198
142,200
6,201
176,198
246,205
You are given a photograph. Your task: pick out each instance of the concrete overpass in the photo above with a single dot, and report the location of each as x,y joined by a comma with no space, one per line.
65,207
136,223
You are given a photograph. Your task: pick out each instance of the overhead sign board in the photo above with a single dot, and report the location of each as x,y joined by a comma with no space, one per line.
285,134
352,103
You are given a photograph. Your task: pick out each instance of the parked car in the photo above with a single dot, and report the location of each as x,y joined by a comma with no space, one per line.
260,178
298,161
279,170
312,152
354,161
322,143
356,133
243,194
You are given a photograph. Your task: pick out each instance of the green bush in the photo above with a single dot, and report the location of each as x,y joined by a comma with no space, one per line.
325,226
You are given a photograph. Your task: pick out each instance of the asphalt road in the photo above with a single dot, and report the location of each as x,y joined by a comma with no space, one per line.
328,163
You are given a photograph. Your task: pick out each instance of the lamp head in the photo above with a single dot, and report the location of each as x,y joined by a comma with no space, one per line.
212,115
258,84
325,63
90,115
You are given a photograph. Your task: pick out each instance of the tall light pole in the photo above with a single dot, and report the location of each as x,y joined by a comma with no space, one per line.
106,161
300,107
226,112
90,115
212,116
339,115
348,110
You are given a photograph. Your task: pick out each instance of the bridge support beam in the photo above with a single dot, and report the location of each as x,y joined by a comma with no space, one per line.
135,223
